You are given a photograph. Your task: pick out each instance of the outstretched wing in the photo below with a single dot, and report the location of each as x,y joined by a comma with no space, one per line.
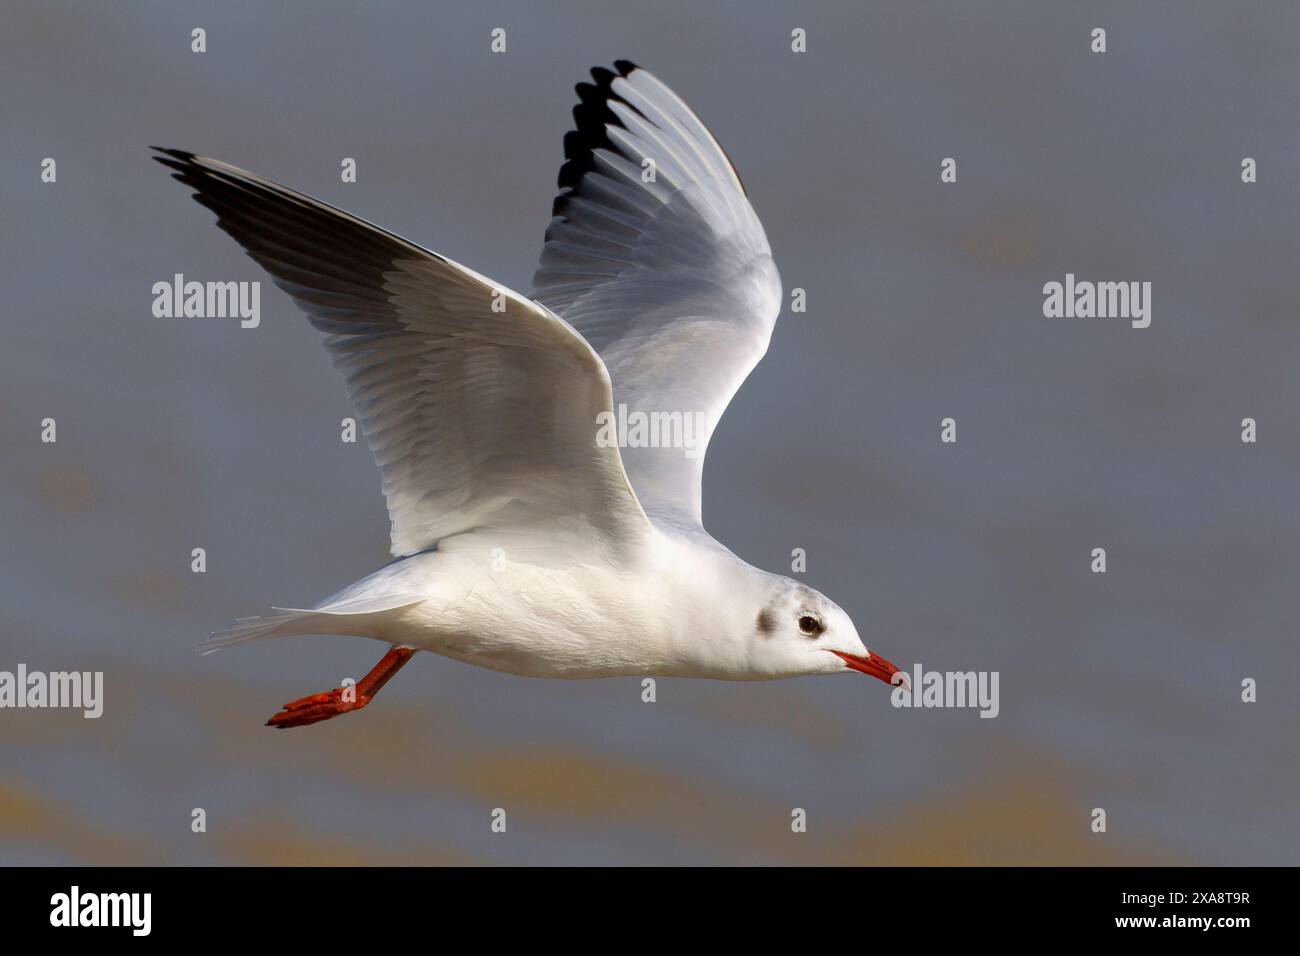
655,255
479,419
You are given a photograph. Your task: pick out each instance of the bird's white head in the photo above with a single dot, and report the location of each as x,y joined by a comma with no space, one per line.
797,630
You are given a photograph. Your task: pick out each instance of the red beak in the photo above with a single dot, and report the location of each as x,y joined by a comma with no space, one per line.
876,666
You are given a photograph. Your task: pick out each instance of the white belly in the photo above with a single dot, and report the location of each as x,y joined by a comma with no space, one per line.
532,621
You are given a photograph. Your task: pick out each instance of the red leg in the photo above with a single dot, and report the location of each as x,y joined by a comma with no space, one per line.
318,707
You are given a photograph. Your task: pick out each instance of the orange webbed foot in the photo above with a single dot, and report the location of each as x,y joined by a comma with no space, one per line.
318,707
341,700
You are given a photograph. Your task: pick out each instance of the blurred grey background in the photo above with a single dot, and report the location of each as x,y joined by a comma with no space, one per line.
1119,690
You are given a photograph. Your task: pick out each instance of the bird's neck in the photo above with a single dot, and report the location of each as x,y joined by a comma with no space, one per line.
706,597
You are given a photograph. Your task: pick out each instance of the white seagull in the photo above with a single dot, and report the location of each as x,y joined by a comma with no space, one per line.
525,539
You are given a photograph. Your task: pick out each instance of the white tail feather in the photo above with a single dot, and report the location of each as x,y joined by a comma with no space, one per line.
358,617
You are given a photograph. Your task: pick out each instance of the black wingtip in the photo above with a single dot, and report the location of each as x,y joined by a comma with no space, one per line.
181,154
175,159
590,117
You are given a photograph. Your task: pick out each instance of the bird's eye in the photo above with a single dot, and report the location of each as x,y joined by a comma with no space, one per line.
810,626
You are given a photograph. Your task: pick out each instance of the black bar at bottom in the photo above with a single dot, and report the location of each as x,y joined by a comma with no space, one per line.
214,905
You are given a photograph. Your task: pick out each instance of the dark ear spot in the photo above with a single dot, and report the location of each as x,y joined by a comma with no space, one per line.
766,622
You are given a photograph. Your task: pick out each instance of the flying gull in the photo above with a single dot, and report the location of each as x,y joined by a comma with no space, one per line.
539,527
